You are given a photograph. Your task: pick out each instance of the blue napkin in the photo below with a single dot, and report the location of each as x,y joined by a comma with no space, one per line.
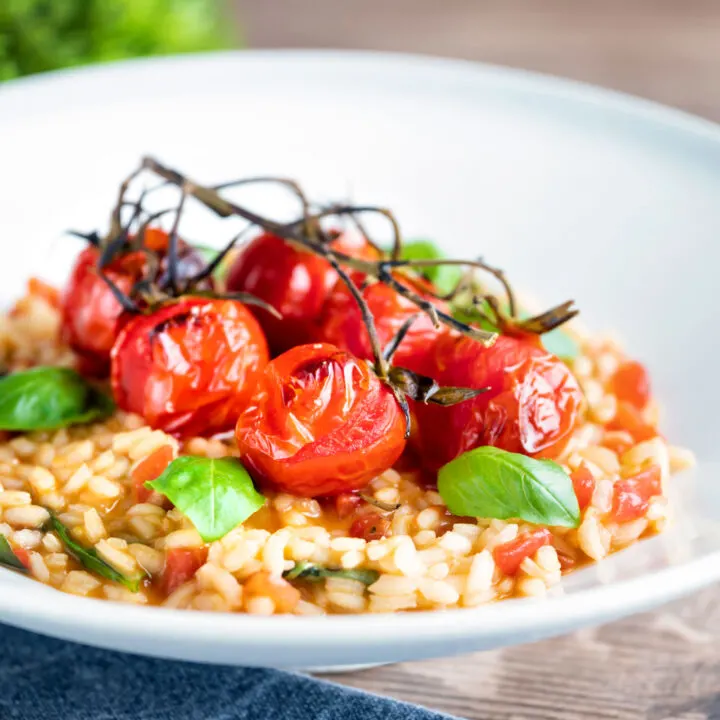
46,679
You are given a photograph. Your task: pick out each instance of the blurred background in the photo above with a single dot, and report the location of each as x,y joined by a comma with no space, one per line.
665,50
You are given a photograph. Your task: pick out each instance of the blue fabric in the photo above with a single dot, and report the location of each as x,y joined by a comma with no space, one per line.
46,679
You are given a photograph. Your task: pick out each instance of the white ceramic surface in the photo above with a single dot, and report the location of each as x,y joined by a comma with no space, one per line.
577,192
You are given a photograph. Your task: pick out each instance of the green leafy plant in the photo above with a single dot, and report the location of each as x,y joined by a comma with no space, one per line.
444,277
217,495
492,483
40,35
317,573
46,398
89,558
8,558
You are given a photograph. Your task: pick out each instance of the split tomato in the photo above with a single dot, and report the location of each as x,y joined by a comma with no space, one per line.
90,311
293,281
321,423
531,406
342,324
190,367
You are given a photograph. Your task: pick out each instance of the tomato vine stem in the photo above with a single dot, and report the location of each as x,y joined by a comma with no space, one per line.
306,233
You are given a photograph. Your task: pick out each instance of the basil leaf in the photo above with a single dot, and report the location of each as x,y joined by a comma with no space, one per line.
317,573
216,494
560,344
473,316
208,254
89,558
491,483
8,558
444,277
46,398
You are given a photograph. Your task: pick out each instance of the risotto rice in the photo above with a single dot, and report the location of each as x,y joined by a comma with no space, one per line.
429,560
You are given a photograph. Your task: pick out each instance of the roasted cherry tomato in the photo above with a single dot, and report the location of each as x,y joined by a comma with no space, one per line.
90,311
531,407
342,324
631,496
631,384
291,280
321,423
190,367
510,555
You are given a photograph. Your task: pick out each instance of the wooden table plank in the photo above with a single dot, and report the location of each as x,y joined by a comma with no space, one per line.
660,665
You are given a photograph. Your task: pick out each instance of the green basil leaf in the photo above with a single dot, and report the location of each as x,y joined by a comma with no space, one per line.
8,558
208,254
491,483
46,398
216,494
89,558
560,344
444,277
470,316
317,573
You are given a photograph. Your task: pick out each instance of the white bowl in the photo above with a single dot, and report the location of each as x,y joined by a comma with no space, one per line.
577,192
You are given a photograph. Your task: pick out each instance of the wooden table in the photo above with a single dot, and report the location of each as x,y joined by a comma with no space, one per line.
657,666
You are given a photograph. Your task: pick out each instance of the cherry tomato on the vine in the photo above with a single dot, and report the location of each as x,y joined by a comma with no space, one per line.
321,423
190,367
293,281
531,407
90,311
342,324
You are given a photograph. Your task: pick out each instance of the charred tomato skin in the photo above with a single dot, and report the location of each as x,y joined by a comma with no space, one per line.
532,405
90,312
190,367
342,324
291,280
322,423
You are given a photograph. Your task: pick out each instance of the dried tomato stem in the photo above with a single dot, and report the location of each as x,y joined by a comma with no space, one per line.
210,198
213,265
173,257
302,231
551,319
381,364
115,223
287,182
353,210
